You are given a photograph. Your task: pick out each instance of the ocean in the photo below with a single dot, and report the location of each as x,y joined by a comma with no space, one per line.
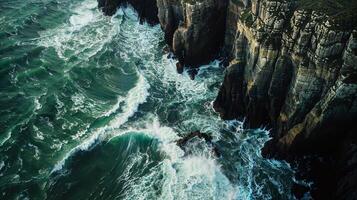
91,107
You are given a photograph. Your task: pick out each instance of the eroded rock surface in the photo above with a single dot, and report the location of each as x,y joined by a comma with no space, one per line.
183,142
193,29
295,71
290,69
147,9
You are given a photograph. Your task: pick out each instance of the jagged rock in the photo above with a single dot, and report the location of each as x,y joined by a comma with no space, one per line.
230,97
182,142
292,69
193,29
196,134
290,75
108,7
297,73
147,9
199,34
179,68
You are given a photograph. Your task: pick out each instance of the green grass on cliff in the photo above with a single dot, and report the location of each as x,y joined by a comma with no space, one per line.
343,11
192,2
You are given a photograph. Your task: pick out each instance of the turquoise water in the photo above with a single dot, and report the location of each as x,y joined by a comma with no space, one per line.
91,107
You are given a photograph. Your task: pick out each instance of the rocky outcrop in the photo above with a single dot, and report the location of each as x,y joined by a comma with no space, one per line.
183,142
147,9
194,30
291,69
295,71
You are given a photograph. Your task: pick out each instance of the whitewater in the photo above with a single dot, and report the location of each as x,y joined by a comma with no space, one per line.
92,107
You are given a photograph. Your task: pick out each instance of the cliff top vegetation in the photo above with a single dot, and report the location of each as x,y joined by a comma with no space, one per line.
343,12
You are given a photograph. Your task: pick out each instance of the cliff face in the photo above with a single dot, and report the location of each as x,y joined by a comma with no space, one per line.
295,71
194,30
291,69
147,9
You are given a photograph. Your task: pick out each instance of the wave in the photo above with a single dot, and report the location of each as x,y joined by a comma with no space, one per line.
197,176
6,137
85,34
136,96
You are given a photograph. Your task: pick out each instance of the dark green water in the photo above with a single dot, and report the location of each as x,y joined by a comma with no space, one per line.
91,106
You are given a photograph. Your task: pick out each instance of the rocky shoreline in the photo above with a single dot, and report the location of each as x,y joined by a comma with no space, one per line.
291,69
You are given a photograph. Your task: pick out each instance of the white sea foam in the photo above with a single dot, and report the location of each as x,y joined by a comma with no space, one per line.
197,176
2,164
113,109
39,134
37,103
6,137
136,96
192,177
37,151
84,35
82,14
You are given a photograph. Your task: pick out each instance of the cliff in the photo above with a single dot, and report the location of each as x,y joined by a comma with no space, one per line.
292,68
295,71
147,9
194,30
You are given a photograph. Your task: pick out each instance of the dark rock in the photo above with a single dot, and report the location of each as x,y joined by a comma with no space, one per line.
194,30
290,72
183,141
299,190
192,73
109,7
207,138
179,68
229,102
147,9
296,73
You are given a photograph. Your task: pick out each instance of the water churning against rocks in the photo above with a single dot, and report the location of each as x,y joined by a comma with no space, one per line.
91,108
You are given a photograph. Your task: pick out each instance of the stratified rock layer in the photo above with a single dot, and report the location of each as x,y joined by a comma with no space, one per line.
195,29
295,71
292,70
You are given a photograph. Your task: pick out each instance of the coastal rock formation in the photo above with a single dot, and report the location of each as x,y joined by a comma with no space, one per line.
182,143
295,71
147,9
291,68
194,30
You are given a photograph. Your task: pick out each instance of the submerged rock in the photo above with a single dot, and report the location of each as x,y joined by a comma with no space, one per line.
290,68
179,68
182,143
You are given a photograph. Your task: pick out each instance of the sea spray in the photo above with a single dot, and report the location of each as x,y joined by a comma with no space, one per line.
111,109
135,97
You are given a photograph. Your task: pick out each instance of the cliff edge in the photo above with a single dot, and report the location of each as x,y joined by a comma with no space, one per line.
292,67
